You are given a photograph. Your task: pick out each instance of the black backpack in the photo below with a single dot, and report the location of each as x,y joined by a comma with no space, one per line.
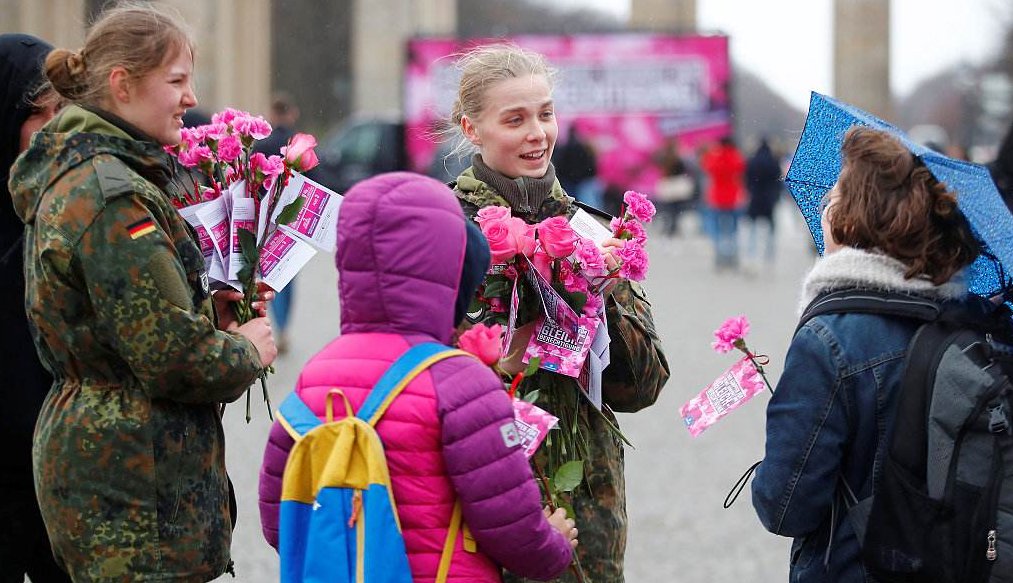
942,510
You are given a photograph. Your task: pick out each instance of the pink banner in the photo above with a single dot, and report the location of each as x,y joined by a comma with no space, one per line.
625,93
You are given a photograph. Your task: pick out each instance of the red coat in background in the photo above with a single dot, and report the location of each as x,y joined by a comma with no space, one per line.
724,166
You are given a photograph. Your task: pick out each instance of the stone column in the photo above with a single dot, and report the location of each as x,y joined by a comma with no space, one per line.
862,54
379,32
59,22
664,15
435,17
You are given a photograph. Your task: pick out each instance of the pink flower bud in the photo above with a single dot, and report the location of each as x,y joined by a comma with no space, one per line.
484,342
299,153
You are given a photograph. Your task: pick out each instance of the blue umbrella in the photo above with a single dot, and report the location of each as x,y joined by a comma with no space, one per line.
817,163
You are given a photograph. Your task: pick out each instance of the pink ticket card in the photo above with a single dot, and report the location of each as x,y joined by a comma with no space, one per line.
317,221
244,216
533,425
282,257
737,385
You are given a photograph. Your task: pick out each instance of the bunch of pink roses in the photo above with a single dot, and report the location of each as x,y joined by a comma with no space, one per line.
223,152
573,264
225,172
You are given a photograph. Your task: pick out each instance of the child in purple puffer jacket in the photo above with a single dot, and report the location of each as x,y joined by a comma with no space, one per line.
408,265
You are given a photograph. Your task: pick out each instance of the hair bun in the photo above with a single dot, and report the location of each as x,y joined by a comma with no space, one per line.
66,71
75,64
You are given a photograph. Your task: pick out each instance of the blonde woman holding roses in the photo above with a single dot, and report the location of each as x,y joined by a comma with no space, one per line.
128,451
504,110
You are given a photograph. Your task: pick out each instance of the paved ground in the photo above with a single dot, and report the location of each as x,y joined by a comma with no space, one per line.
676,484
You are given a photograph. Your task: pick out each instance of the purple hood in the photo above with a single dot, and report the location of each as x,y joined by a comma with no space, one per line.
401,245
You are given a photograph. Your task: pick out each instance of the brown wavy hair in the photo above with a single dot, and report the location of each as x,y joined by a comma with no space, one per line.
138,37
889,201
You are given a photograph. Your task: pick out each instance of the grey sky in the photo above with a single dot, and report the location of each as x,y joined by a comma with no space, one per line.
788,42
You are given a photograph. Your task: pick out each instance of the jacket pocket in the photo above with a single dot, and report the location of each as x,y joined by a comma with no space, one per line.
196,275
170,447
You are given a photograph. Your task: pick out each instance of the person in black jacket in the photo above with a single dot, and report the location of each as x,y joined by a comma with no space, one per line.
763,181
577,169
27,104
283,116
1001,168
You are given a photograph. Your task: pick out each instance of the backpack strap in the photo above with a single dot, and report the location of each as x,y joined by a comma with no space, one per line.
448,544
296,416
298,419
871,302
417,359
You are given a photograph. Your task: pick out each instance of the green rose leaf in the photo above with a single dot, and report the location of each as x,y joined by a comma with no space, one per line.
246,272
497,286
248,245
531,397
569,509
532,367
568,476
291,211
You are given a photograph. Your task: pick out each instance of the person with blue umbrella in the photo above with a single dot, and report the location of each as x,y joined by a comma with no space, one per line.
885,224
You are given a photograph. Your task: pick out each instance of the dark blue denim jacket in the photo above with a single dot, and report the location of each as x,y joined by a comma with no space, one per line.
828,420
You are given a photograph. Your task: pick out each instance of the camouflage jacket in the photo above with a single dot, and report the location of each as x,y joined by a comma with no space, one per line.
129,449
633,380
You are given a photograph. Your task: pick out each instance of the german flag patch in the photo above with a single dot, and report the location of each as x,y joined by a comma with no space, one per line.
141,228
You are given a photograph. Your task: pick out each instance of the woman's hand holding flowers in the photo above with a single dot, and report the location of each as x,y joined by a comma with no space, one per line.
225,298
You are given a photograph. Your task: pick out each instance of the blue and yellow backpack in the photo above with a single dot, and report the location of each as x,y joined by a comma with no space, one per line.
338,520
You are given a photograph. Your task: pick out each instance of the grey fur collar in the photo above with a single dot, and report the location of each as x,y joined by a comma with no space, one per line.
850,267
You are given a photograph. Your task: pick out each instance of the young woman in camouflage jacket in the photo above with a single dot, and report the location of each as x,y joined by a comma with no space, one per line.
504,109
129,451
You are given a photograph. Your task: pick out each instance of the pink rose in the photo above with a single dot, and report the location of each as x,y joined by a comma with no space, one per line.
592,263
230,148
634,261
502,243
483,341
299,153
731,331
507,236
543,264
491,212
524,234
557,237
639,206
